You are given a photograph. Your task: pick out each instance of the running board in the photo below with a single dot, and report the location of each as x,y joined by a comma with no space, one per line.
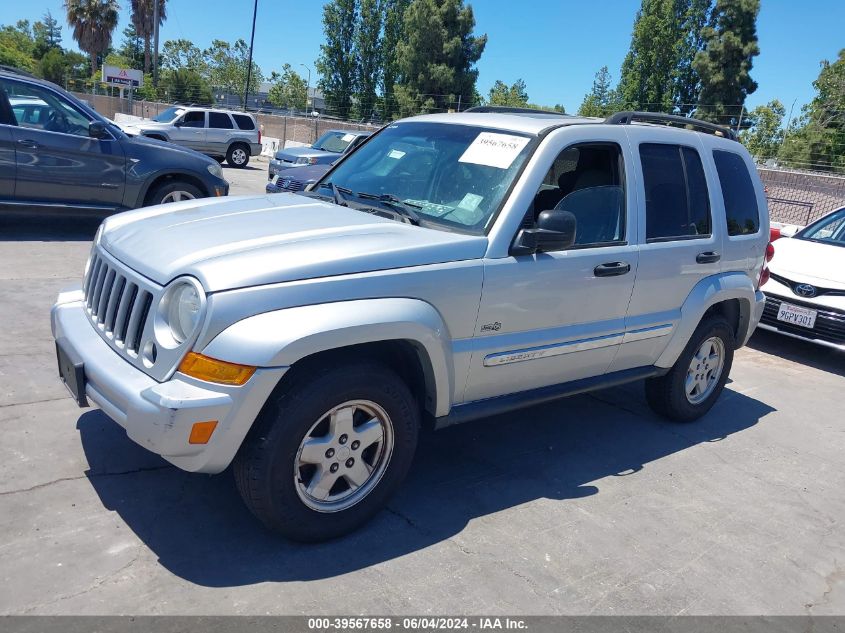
503,404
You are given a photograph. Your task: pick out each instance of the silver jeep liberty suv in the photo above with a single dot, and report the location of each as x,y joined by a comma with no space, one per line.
453,267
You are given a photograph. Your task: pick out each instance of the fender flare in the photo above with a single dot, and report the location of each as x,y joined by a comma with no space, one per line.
282,337
706,293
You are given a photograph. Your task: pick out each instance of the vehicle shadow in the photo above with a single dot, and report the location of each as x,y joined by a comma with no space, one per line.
201,531
803,352
48,227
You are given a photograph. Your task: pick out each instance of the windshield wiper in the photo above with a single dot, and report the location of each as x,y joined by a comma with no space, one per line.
337,193
396,204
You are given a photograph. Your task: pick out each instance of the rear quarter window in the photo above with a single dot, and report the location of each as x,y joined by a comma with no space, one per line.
741,211
244,122
219,120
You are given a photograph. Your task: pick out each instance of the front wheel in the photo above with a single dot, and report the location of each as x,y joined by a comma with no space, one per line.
327,453
173,191
697,378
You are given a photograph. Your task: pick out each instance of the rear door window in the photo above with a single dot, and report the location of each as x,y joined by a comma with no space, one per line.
741,211
220,121
677,201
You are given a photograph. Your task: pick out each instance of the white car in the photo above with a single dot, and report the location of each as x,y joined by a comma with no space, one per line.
805,295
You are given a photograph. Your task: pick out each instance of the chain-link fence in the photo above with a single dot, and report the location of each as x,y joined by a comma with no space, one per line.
299,129
800,197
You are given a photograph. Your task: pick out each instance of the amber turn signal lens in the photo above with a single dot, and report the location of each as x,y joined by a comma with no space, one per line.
213,370
201,432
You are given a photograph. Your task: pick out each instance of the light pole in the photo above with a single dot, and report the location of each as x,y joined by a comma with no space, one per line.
307,87
249,66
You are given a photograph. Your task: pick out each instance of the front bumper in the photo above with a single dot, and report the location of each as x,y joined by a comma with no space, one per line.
828,331
159,416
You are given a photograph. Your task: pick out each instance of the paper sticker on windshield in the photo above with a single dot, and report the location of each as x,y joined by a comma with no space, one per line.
347,137
395,153
471,201
494,150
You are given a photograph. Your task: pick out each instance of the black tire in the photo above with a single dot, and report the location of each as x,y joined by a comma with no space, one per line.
238,155
266,462
172,189
220,159
667,395
156,137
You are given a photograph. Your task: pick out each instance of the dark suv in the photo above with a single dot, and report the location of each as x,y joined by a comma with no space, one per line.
55,151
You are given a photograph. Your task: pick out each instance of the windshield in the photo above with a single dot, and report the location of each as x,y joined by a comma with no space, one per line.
333,142
828,230
455,176
168,115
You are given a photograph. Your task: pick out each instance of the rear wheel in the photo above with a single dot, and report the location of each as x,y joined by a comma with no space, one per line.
697,378
173,191
238,155
326,454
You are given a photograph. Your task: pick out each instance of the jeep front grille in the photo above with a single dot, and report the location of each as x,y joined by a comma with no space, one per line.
116,303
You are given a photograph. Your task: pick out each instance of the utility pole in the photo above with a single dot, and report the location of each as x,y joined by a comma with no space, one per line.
155,41
249,65
307,89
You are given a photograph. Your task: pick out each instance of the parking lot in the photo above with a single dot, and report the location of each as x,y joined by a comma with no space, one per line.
589,505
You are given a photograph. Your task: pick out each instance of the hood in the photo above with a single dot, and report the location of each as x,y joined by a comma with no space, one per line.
810,262
138,147
146,124
244,241
307,174
292,153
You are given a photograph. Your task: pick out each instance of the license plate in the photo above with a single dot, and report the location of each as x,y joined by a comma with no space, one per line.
805,317
72,372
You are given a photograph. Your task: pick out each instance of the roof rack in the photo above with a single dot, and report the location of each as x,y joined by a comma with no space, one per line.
512,110
625,118
15,70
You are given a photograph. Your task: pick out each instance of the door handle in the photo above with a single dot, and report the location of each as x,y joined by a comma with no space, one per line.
612,269
709,257
28,142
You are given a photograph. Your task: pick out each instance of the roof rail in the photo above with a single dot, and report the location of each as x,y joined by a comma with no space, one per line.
625,118
15,70
512,110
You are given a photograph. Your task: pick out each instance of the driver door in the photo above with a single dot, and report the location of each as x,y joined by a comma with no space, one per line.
58,164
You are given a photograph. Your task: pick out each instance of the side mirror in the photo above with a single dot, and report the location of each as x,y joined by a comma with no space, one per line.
97,129
555,231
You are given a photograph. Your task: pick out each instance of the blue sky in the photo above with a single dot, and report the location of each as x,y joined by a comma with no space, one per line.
556,46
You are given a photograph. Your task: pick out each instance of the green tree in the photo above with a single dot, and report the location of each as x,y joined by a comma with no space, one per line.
182,53
647,79
724,65
93,22
143,19
602,100
368,55
288,89
337,65
47,35
392,34
763,139
228,64
77,64
132,47
17,46
694,17
503,95
185,86
437,54
53,66
817,140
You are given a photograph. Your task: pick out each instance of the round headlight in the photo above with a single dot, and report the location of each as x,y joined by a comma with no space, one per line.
183,313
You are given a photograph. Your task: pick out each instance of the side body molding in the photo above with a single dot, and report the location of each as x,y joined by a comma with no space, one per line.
706,293
282,337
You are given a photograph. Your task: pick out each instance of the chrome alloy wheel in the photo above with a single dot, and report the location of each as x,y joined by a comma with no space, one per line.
239,156
177,196
343,456
705,370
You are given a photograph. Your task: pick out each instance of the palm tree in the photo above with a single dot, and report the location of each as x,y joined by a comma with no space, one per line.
93,22
144,23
